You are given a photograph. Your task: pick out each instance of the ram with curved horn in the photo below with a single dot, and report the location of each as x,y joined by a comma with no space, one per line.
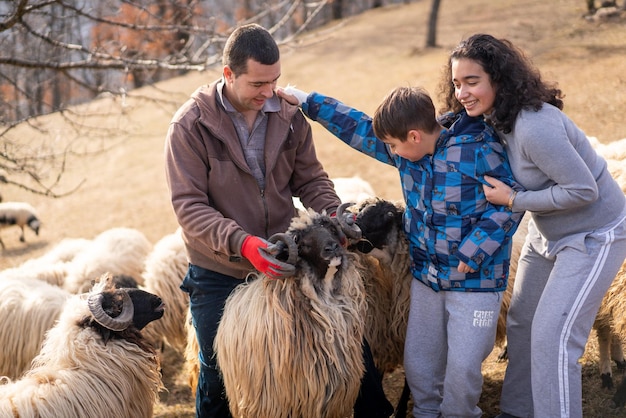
94,362
308,327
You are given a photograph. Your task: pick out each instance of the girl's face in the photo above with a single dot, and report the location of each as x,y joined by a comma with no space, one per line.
472,87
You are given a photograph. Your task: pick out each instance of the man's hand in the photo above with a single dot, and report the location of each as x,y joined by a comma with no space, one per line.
260,253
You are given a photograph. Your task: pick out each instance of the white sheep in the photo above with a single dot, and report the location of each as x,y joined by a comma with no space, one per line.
353,189
349,189
20,214
28,309
165,268
119,250
53,273
52,267
94,362
293,347
74,263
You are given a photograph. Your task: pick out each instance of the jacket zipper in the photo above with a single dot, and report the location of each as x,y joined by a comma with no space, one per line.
266,213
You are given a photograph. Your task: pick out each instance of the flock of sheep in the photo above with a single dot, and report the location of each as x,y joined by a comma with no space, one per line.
311,328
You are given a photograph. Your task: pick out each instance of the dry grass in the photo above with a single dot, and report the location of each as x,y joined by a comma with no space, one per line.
357,60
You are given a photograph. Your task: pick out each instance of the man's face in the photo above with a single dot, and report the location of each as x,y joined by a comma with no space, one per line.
249,91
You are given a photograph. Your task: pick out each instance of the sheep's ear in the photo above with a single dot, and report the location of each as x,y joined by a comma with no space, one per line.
364,246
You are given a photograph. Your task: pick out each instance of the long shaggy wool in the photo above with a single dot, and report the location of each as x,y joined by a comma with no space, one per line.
518,242
28,308
119,251
387,279
610,322
77,375
289,348
165,268
191,354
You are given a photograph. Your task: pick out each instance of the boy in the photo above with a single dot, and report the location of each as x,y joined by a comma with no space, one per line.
460,244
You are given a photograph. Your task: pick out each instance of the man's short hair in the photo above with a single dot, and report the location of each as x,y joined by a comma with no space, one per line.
249,41
404,109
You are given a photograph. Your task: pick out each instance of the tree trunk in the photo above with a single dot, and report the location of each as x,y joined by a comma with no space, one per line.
431,38
337,8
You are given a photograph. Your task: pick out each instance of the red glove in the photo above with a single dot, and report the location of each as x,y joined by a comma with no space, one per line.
259,253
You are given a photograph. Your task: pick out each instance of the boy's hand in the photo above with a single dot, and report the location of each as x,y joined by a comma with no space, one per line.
292,95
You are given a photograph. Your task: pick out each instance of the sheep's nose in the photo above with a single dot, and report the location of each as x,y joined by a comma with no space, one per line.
332,247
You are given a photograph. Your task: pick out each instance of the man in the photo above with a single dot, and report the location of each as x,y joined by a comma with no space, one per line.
235,155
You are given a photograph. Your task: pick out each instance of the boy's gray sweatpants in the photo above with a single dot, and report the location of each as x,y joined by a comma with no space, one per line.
449,334
558,289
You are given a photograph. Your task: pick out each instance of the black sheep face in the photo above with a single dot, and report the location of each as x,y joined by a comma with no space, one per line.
146,306
376,220
320,244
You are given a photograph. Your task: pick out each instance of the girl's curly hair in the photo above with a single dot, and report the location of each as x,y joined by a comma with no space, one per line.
517,81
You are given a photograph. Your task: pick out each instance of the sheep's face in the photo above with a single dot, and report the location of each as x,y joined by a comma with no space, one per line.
146,306
320,245
377,219
34,224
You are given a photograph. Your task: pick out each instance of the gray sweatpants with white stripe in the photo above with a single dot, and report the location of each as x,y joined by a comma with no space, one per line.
558,289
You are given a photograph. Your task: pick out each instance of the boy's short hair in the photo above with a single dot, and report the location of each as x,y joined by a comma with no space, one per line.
249,41
404,109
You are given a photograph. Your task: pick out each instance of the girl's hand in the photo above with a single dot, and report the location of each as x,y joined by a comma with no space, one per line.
499,193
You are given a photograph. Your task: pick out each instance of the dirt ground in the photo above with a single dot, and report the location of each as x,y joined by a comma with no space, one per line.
118,163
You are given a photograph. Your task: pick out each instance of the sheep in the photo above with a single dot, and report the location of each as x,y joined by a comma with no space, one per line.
21,214
383,251
349,189
610,325
293,347
518,242
117,250
94,362
353,189
165,268
28,309
75,263
52,267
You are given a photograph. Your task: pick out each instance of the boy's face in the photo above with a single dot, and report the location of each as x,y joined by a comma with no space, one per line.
249,91
413,149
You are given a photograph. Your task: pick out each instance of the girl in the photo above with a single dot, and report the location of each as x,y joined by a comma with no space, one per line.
577,232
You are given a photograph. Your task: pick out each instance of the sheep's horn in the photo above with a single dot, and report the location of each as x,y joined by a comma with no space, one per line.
120,322
348,226
292,247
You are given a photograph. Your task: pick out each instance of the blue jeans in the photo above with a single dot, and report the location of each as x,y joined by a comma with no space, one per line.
208,292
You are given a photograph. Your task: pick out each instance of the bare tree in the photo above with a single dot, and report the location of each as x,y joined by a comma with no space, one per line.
58,53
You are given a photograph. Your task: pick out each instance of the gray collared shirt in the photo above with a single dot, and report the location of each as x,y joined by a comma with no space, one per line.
252,142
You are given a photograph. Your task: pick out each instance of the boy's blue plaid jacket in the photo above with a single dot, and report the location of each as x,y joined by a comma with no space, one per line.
447,217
